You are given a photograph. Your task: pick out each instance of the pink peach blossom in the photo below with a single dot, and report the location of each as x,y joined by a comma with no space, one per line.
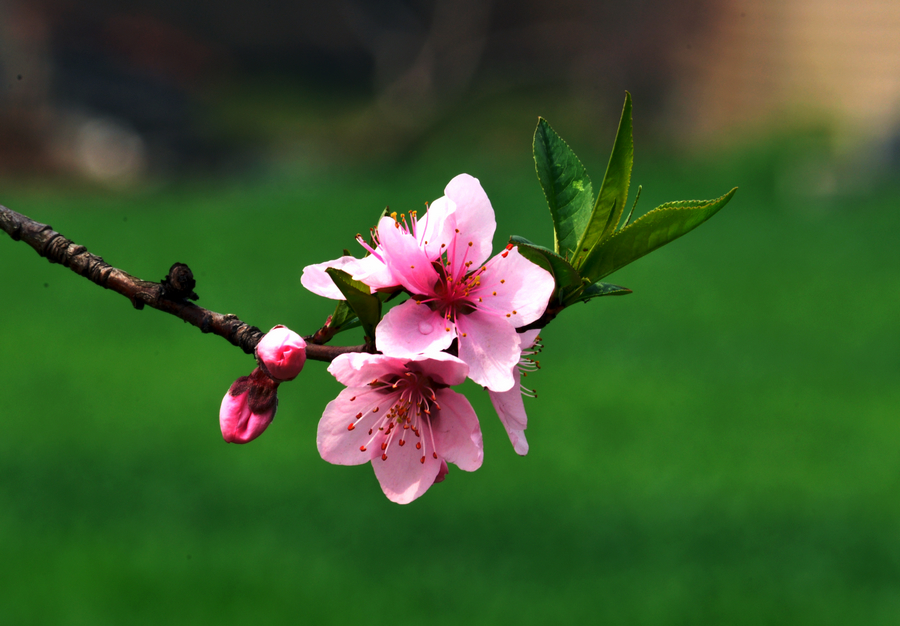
400,415
464,206
480,308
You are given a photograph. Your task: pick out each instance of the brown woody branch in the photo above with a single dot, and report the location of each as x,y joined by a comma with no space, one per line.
172,295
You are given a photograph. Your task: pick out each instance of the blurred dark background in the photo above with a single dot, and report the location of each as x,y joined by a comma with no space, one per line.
116,91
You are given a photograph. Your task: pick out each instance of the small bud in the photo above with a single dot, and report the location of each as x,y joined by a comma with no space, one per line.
281,353
248,408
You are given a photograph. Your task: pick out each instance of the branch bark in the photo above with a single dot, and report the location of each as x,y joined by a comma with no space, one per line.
172,295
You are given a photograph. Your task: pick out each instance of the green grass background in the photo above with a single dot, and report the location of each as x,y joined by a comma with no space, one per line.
720,447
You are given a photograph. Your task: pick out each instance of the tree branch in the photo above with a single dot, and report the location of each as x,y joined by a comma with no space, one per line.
172,295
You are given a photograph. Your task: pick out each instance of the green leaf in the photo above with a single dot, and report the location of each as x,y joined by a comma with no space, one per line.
649,232
365,305
566,186
613,192
342,315
597,290
566,276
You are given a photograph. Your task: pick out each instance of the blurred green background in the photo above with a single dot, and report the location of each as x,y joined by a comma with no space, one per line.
719,447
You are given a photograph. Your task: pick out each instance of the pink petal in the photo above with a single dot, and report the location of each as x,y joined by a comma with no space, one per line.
403,475
489,346
527,339
411,329
526,288
511,411
473,218
442,473
442,367
358,369
457,433
408,263
336,442
317,281
372,271
435,230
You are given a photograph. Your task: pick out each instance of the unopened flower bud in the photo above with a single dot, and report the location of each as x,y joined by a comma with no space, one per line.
248,408
281,353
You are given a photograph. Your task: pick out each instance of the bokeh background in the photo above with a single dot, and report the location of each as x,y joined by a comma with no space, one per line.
720,447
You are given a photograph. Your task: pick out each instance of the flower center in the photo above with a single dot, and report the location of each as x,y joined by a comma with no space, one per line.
409,399
454,296
455,292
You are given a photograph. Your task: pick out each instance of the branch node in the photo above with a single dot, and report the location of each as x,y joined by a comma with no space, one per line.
179,283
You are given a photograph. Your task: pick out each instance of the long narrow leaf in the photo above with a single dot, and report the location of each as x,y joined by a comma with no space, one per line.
657,228
566,186
613,192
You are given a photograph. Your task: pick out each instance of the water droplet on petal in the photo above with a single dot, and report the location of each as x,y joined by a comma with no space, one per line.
425,328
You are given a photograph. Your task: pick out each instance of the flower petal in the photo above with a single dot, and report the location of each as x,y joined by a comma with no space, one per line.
527,339
408,263
473,218
525,288
372,271
511,411
339,445
358,369
435,231
442,473
411,329
443,368
457,433
489,346
403,475
317,281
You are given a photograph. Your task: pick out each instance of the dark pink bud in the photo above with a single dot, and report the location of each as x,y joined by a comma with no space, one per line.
281,353
248,408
